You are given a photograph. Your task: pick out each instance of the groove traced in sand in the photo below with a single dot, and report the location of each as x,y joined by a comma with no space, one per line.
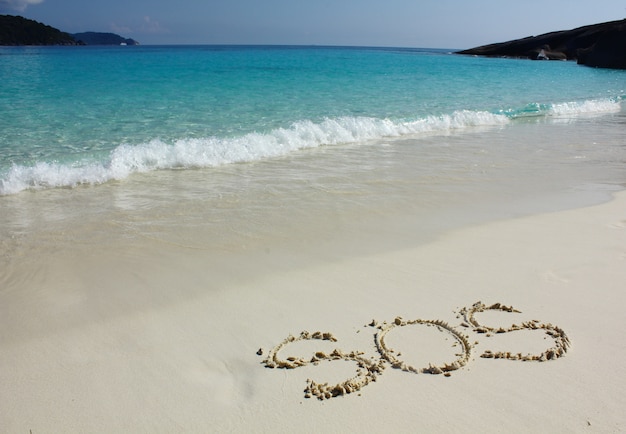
368,370
387,353
560,338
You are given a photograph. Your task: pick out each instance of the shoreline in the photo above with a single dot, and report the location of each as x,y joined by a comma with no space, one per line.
141,346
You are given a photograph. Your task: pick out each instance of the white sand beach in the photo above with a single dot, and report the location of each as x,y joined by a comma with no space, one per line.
166,339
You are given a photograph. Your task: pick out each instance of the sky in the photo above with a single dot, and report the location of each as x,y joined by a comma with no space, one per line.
453,24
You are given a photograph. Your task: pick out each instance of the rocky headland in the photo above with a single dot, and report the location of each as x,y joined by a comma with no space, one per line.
599,45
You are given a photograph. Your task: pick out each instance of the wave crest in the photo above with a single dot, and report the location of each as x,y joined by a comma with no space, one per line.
588,108
126,159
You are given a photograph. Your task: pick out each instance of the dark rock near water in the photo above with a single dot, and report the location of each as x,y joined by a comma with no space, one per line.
608,52
600,45
96,38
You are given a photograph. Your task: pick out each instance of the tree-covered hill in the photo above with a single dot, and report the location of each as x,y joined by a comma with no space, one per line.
15,30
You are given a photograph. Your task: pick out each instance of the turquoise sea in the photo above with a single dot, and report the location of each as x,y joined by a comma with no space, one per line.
89,115
245,142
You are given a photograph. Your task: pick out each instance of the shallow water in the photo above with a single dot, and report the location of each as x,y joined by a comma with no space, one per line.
318,153
341,200
89,115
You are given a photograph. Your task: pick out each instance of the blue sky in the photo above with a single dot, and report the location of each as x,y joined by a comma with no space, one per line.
401,23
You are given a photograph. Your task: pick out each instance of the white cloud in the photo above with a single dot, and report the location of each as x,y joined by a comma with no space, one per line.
144,25
120,29
17,5
151,26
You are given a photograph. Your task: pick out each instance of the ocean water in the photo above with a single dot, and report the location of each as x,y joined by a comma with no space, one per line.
234,146
89,115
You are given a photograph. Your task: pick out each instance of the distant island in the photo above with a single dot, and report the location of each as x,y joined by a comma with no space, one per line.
96,38
16,30
599,45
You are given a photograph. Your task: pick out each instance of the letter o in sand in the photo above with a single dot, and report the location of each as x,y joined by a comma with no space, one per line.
395,362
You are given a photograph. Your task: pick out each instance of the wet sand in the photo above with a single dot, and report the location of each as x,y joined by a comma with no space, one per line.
146,338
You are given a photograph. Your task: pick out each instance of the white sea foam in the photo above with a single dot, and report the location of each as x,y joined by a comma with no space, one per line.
215,151
589,107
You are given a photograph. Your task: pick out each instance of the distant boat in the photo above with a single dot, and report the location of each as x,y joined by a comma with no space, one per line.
123,43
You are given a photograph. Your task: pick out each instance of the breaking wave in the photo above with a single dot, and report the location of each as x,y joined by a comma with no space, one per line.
184,153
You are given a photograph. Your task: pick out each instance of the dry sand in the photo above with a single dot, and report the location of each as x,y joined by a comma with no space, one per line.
168,341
